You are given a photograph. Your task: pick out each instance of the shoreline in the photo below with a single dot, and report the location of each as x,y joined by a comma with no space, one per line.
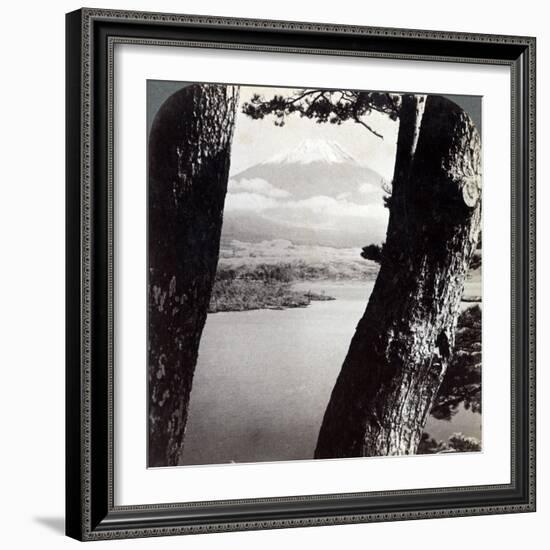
240,295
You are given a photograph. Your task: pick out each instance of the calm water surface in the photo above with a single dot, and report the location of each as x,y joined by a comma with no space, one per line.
264,377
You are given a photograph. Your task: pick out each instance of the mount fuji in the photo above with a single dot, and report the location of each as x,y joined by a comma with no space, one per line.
316,193
314,150
315,167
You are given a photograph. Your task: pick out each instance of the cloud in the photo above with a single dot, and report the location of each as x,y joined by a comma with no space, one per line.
369,188
257,185
329,206
249,201
321,211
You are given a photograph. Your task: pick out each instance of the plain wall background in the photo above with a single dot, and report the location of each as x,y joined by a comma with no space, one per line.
32,272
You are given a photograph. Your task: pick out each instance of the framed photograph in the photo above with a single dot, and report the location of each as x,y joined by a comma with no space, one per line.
300,274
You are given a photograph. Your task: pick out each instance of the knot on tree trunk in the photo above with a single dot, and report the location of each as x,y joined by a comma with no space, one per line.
471,190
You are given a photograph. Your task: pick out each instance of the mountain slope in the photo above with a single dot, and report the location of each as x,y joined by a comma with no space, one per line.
313,150
315,167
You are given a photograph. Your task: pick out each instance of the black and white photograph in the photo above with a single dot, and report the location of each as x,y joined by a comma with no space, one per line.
270,275
314,274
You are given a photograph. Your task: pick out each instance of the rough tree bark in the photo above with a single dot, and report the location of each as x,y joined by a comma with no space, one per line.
189,155
400,351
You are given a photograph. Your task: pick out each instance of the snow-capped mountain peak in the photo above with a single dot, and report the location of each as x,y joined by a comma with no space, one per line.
314,150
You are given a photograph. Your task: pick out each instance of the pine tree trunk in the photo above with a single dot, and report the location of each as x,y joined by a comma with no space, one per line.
400,351
189,155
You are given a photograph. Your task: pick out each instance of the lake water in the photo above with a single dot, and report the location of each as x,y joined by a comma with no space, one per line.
264,377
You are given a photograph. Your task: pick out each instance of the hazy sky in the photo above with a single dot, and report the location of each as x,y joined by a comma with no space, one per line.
256,141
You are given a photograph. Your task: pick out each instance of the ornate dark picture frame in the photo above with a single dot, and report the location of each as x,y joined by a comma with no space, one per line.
90,509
